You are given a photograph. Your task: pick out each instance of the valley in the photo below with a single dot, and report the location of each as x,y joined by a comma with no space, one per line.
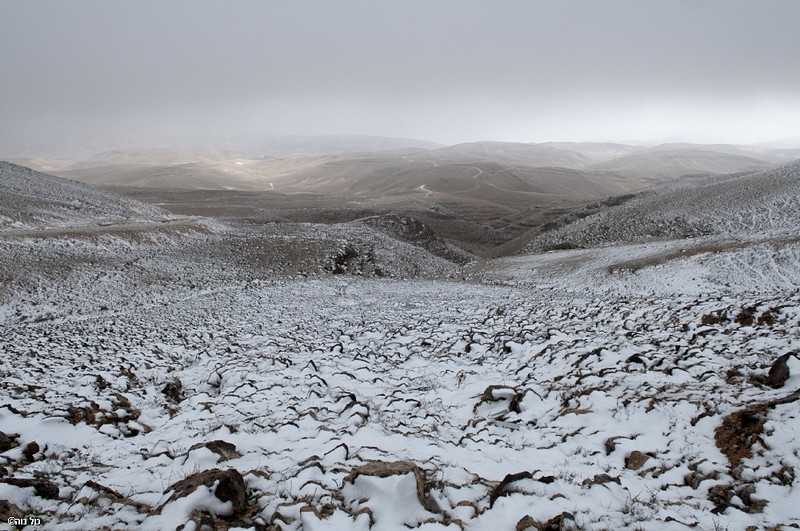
526,354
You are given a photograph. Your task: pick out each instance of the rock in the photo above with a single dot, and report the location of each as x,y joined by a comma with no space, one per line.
720,496
563,522
724,496
103,491
230,487
502,488
526,523
635,358
30,451
599,479
224,449
611,443
7,442
497,392
384,469
500,394
42,487
8,511
173,390
695,478
779,372
635,460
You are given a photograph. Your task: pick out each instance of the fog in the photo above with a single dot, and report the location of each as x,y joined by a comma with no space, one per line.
144,72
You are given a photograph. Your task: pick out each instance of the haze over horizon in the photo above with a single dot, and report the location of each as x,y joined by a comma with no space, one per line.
122,73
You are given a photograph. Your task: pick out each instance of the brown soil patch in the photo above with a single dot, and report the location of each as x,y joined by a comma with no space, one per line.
740,430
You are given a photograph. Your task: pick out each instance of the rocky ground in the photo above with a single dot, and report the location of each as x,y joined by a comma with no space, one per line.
179,377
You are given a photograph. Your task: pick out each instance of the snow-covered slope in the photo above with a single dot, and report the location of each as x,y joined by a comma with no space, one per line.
352,404
265,376
31,200
767,201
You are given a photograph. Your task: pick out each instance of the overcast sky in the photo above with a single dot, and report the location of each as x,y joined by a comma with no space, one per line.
447,71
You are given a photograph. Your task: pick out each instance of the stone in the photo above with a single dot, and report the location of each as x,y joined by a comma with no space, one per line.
230,487
720,496
600,479
8,511
562,522
611,444
30,451
224,449
43,488
527,523
502,488
7,442
173,390
383,469
635,460
779,372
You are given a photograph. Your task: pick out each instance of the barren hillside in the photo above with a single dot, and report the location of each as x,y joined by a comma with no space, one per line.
29,199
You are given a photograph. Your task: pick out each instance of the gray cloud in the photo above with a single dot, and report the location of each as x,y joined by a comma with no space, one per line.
441,70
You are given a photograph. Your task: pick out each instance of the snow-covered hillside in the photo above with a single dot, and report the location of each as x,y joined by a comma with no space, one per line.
31,200
295,376
355,404
743,204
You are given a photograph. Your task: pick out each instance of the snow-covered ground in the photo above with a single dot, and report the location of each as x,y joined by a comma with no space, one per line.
363,403
721,205
33,200
296,376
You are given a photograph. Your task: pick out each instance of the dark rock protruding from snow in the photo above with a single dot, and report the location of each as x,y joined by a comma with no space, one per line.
562,522
7,442
779,372
635,460
527,523
223,449
173,390
8,511
502,488
230,487
42,487
30,451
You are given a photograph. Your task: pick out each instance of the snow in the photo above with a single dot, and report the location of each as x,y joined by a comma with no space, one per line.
563,374
33,200
260,371
392,500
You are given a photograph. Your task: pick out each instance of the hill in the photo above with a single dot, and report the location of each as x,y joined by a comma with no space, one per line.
728,205
659,162
366,166
29,200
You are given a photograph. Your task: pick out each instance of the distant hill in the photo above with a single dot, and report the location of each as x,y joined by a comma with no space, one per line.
372,166
279,146
510,154
677,162
31,200
767,201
